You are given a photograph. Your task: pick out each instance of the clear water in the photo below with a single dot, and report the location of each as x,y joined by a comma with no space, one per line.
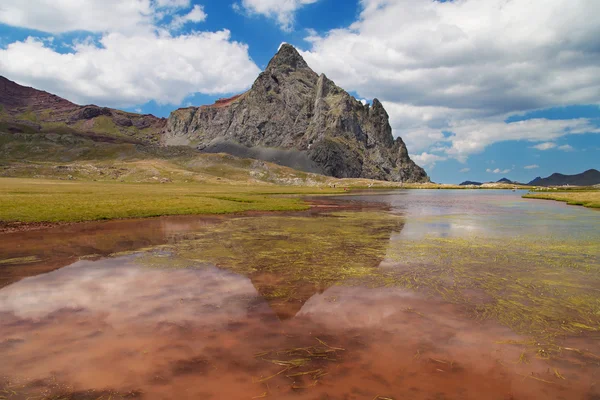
374,295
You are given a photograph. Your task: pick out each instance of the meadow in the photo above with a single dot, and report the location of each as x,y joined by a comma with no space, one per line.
589,198
36,200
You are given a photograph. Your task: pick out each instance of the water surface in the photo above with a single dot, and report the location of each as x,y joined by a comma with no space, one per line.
421,294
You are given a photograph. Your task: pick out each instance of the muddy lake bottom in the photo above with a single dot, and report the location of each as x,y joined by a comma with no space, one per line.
378,295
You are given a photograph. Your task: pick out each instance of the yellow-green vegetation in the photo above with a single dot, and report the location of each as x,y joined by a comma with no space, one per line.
299,250
305,364
589,198
541,286
544,287
28,200
28,116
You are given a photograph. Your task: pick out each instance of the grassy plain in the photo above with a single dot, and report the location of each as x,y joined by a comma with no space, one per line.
36,200
589,199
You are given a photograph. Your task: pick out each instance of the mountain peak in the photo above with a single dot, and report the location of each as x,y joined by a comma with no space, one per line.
297,118
504,180
287,58
588,178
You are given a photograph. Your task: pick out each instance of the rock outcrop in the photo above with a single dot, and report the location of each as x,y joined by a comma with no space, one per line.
293,112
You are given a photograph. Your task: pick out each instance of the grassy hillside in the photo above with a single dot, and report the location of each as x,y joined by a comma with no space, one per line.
590,198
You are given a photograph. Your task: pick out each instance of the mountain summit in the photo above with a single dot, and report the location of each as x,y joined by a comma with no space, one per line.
295,117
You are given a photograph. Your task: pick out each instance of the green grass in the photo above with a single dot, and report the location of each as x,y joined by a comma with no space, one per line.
31,200
28,116
589,199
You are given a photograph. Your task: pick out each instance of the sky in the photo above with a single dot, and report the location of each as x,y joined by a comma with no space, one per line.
477,89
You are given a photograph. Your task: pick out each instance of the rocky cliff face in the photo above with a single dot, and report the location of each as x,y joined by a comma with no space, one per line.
292,113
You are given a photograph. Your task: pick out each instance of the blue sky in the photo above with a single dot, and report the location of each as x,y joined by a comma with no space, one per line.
478,89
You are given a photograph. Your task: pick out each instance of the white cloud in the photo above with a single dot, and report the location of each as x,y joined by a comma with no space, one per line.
566,147
196,15
464,170
126,70
465,66
281,10
426,159
533,166
173,3
138,55
498,171
87,15
471,137
544,146
551,145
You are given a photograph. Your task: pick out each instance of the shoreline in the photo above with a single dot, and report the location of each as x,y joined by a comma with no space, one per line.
587,199
313,205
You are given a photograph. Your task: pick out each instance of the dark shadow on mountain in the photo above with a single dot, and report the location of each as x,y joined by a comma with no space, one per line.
288,158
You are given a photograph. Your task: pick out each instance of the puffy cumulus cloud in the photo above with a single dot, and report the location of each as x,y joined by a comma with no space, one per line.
281,10
533,166
465,66
125,70
88,15
195,15
465,170
139,55
427,160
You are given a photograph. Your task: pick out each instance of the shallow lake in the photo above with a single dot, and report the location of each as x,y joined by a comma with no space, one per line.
414,294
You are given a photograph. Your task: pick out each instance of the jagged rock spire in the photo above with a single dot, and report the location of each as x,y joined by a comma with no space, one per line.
293,109
287,58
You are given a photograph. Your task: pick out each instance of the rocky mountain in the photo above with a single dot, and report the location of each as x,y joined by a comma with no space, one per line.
42,111
588,178
471,183
290,116
504,180
295,117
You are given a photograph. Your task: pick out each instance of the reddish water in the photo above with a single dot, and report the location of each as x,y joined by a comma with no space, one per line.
113,328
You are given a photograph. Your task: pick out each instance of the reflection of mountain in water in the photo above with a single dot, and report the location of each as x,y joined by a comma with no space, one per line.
289,258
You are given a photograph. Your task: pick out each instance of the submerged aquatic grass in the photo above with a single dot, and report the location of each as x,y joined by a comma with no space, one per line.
544,287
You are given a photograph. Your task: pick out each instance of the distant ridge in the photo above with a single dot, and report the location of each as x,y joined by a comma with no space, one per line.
469,183
588,178
503,180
